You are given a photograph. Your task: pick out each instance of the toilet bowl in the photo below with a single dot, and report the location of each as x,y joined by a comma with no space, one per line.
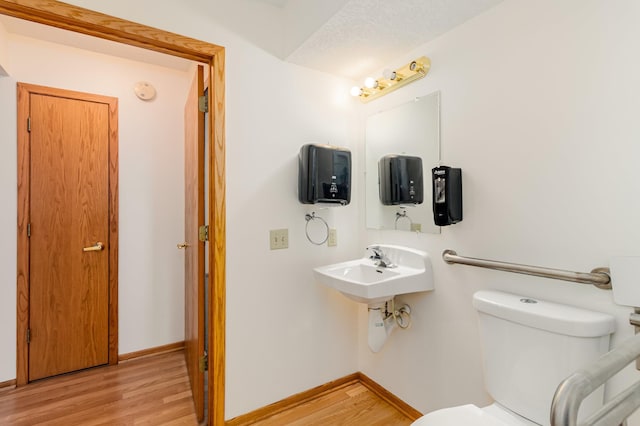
528,347
492,415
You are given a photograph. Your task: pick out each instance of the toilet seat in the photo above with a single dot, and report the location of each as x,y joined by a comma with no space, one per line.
471,415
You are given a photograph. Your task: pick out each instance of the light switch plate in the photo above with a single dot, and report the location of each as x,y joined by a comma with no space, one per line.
279,239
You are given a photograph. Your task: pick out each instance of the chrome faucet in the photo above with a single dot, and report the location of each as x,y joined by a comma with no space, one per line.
380,258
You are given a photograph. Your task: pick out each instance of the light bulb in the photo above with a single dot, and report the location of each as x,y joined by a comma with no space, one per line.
356,91
370,83
389,74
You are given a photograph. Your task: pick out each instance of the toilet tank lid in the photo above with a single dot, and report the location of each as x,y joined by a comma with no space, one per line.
550,316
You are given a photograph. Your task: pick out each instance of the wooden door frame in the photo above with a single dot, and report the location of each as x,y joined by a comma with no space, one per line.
194,253
85,21
24,209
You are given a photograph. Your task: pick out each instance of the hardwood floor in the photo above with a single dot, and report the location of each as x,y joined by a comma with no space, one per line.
154,390
351,405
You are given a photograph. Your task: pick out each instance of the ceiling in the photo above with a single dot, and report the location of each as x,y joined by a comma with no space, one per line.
68,38
349,38
362,36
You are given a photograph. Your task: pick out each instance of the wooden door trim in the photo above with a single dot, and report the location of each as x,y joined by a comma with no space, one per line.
61,15
217,240
24,208
89,22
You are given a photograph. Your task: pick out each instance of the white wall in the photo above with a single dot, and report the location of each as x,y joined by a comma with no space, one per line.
285,333
3,51
539,109
150,183
8,224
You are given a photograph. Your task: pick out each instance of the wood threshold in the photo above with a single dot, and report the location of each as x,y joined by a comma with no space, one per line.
314,393
158,350
85,21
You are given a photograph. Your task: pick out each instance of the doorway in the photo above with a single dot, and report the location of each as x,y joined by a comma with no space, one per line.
67,185
93,23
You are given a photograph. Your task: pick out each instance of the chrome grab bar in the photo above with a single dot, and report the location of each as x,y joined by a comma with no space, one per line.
598,277
575,388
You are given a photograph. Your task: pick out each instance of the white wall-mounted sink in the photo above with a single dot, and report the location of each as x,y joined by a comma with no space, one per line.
363,281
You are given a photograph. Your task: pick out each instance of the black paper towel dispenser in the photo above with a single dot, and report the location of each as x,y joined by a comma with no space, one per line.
447,195
324,174
400,180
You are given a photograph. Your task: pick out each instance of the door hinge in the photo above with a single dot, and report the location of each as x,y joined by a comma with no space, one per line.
203,233
204,363
28,124
28,230
203,104
28,336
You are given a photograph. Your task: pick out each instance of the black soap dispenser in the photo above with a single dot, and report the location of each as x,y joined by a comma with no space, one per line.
447,195
324,174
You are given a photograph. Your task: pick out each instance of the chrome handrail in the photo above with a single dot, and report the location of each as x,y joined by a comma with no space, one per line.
598,277
575,388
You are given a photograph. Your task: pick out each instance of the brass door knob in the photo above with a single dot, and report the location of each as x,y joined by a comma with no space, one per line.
183,245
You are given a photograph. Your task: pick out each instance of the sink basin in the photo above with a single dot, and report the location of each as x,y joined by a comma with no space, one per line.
361,280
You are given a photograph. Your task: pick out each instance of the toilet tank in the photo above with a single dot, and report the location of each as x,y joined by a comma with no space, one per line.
529,346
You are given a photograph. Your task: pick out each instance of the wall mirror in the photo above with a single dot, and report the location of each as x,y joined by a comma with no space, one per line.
410,129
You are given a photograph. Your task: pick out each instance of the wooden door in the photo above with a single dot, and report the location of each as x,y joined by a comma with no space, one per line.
194,248
69,213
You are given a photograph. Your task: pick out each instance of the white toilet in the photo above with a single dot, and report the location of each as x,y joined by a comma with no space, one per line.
529,346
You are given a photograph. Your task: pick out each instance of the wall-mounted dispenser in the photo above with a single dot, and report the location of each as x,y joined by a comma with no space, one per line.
324,174
447,195
400,180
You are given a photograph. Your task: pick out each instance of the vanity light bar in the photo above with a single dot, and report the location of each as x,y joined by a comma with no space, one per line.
374,88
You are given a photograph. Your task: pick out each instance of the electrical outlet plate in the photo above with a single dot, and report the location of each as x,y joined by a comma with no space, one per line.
279,239
332,241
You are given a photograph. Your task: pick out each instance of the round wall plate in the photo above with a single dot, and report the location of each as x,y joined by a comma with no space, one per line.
144,90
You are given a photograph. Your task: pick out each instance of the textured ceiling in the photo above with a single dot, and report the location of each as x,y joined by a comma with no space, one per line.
362,36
